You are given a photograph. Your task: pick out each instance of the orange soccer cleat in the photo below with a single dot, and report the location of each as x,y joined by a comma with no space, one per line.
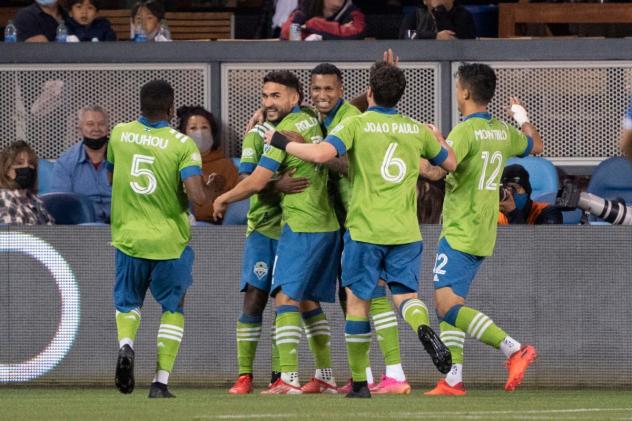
279,387
318,386
517,365
390,386
242,386
444,389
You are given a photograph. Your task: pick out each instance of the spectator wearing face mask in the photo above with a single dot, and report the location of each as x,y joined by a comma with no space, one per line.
39,21
200,125
18,178
81,168
516,206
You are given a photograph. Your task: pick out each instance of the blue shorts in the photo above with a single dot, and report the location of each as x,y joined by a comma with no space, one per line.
168,281
306,265
454,269
363,264
256,269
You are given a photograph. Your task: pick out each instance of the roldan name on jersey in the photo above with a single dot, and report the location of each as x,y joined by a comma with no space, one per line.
403,128
306,124
146,140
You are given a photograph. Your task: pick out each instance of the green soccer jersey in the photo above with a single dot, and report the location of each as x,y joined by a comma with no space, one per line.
384,149
482,145
264,214
149,205
310,210
341,111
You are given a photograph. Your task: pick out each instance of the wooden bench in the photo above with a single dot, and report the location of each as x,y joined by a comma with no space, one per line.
183,25
511,14
7,14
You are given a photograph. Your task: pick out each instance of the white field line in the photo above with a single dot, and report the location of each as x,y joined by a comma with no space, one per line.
521,414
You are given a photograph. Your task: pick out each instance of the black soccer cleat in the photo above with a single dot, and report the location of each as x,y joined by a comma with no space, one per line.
359,390
159,390
124,376
440,354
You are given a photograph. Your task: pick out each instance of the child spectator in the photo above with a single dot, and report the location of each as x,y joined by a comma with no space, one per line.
85,25
145,20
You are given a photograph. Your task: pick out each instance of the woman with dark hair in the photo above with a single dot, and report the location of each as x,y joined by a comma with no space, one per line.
200,125
145,20
326,19
18,181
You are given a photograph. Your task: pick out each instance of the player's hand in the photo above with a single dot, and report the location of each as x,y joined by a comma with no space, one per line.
216,182
289,185
292,136
446,34
509,204
517,111
391,58
257,118
219,209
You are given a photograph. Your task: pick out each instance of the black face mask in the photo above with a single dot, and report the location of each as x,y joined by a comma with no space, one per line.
25,177
95,143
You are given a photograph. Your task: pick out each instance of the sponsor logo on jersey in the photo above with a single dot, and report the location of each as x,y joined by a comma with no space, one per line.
247,153
316,139
306,124
260,270
401,128
195,156
337,128
145,140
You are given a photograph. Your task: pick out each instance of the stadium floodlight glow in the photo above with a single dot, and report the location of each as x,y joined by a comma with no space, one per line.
59,346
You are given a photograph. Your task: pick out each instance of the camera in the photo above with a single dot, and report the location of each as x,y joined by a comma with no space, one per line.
505,191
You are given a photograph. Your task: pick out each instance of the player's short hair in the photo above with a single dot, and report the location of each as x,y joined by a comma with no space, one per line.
156,98
327,69
480,79
285,78
377,65
388,84
95,3
155,7
184,113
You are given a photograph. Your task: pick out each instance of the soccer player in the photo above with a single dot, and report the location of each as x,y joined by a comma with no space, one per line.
327,91
264,229
383,237
148,163
482,145
304,272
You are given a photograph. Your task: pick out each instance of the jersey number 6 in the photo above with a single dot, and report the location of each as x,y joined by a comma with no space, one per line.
389,162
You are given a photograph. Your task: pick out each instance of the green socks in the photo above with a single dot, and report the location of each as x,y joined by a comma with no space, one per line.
385,323
169,338
248,334
288,336
453,338
479,326
318,335
127,325
415,312
358,339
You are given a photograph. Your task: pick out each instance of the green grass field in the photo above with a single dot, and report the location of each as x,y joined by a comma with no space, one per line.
57,403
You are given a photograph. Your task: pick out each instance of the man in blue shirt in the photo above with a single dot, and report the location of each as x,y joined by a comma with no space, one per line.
81,169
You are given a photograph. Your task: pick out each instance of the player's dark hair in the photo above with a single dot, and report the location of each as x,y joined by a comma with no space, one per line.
377,65
95,3
480,79
388,84
155,7
285,78
184,113
156,98
327,69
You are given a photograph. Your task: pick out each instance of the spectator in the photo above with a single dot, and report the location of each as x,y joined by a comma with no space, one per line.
516,206
81,169
85,25
18,178
439,19
429,200
145,19
273,14
200,125
39,21
326,19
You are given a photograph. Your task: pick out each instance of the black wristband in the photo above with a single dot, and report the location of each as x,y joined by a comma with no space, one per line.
279,141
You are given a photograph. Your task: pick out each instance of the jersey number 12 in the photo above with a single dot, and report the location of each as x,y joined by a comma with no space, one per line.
497,160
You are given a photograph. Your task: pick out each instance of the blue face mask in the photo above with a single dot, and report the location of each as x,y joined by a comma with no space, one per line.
46,2
521,200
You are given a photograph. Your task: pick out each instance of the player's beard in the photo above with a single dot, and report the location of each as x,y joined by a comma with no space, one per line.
281,115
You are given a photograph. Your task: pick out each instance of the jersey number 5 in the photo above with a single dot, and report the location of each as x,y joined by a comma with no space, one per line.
137,171
388,162
496,159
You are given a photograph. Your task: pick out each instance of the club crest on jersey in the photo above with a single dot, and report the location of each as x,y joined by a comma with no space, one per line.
266,148
260,270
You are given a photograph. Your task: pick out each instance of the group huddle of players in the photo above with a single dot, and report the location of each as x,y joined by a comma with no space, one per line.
322,180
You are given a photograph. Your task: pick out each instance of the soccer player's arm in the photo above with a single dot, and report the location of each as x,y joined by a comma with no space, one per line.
109,160
434,172
437,151
519,114
190,167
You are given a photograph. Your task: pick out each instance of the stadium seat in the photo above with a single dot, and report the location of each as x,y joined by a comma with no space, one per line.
612,179
69,208
44,175
237,212
236,162
542,175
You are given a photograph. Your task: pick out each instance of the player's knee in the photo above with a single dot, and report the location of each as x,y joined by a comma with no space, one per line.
255,300
309,305
449,316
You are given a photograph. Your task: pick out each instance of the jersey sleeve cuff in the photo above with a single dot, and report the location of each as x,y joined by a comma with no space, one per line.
529,148
109,166
189,172
269,163
246,167
441,157
337,143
